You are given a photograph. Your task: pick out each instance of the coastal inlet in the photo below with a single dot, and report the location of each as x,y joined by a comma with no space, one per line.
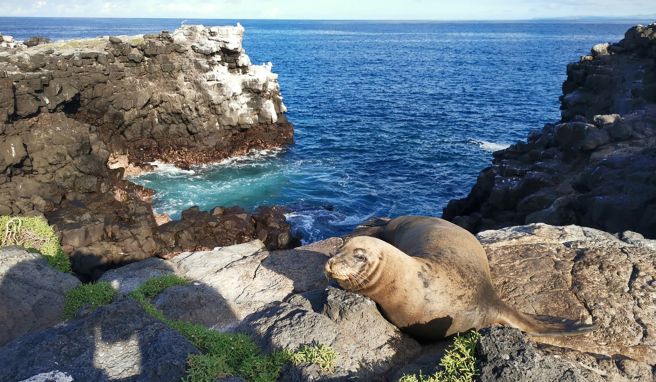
389,119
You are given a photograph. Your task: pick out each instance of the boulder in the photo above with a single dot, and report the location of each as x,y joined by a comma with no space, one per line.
504,354
118,341
236,274
129,277
340,320
229,283
581,273
31,293
197,303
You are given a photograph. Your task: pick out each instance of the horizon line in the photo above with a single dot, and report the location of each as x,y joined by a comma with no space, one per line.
537,19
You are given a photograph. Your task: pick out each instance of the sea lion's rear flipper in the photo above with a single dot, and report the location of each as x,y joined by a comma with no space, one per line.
371,227
542,325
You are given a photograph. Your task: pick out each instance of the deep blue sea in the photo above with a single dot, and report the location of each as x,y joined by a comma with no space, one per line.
391,118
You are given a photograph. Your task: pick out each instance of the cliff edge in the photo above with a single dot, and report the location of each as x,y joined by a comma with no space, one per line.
76,114
596,166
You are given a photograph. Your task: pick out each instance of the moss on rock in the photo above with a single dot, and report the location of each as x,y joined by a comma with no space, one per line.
34,234
88,296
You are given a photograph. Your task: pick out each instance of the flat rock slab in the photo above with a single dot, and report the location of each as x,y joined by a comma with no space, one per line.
303,265
581,273
236,274
197,303
118,341
31,293
246,277
129,277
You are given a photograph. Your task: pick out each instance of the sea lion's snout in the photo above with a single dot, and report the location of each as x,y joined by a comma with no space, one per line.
335,268
349,265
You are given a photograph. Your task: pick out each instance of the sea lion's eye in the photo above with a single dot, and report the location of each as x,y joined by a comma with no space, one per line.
359,255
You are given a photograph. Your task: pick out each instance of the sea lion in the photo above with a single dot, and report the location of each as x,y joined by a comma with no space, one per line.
431,279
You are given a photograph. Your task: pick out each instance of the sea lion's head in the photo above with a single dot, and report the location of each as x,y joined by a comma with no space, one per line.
355,262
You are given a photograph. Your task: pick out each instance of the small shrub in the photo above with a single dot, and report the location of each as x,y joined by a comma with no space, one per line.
135,41
223,354
89,296
154,286
33,232
322,355
458,363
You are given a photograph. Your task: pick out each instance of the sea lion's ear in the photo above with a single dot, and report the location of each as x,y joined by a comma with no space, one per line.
340,242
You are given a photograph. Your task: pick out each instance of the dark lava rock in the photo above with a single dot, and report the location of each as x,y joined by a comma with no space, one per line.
36,40
65,112
119,341
505,355
595,167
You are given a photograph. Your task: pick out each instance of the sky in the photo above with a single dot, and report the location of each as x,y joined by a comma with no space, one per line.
333,9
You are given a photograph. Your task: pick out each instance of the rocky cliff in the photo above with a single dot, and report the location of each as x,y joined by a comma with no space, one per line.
596,166
76,114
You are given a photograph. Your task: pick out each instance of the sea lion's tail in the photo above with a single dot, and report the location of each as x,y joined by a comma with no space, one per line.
541,325
371,227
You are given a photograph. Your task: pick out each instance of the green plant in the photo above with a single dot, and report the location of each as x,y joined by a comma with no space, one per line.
34,233
137,40
89,296
154,286
225,354
458,363
321,355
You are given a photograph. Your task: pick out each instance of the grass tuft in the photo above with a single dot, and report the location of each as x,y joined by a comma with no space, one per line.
154,286
88,296
458,363
34,233
321,355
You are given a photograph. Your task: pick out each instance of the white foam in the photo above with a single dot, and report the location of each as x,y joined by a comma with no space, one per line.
249,158
490,146
170,169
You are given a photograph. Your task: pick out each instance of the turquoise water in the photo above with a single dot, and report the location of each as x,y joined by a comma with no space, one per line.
391,118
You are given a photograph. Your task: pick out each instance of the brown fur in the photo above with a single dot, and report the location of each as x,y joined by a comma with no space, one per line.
431,278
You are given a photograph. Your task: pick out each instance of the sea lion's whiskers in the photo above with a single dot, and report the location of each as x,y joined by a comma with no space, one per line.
363,279
354,282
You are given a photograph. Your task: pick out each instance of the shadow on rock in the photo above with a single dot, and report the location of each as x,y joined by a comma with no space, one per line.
119,341
304,266
31,293
366,344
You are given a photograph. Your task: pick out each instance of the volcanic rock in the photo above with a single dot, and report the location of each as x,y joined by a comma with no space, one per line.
577,273
594,167
31,293
119,341
78,115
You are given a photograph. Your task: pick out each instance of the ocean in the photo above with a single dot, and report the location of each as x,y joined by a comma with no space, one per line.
391,118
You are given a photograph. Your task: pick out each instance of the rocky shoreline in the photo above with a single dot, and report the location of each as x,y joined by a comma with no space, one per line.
282,300
252,284
593,168
78,114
